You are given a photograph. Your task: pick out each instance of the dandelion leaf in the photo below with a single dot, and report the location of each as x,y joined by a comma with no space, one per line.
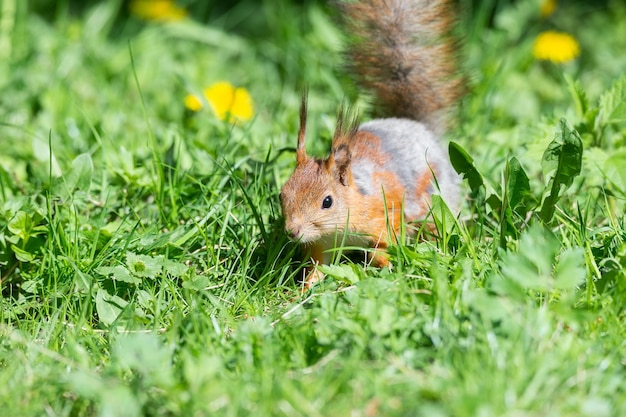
517,184
561,163
444,218
463,163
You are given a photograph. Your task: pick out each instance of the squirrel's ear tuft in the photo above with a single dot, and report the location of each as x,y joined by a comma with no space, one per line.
347,125
301,156
340,157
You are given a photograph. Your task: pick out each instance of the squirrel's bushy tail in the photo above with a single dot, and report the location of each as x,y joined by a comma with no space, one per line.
405,53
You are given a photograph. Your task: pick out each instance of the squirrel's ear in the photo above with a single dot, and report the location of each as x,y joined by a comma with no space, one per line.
339,161
301,150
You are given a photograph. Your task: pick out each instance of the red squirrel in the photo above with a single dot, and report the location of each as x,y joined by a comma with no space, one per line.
383,172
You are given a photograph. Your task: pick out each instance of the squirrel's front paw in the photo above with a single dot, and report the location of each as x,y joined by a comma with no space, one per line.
380,259
314,275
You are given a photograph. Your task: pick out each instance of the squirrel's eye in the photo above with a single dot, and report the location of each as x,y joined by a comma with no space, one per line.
328,202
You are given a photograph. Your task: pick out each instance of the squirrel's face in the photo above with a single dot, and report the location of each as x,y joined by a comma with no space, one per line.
313,202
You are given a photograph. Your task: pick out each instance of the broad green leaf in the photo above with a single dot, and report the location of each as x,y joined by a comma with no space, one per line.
41,152
517,184
78,177
82,280
343,272
145,299
22,255
561,163
463,163
443,217
21,225
30,286
81,172
119,273
173,268
143,265
494,202
109,306
196,283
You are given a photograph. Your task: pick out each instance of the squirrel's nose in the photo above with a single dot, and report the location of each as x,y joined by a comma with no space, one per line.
294,233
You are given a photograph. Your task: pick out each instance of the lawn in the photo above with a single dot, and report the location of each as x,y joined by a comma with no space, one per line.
144,266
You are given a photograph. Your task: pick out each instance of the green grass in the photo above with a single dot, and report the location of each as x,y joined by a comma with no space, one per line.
144,266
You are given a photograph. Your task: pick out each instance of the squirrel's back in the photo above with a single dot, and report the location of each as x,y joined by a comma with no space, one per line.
404,52
414,153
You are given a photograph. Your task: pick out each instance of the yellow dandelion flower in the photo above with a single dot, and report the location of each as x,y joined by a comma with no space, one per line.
227,102
162,10
547,7
556,47
193,103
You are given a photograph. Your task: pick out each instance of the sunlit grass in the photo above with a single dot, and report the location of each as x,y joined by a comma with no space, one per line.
144,266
